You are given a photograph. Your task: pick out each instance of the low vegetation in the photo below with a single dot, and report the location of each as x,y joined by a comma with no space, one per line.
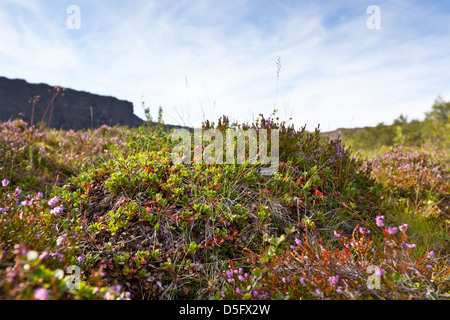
109,206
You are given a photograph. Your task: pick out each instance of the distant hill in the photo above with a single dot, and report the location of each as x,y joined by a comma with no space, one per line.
341,133
66,109
433,130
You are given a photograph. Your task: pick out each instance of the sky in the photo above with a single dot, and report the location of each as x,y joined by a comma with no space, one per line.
342,65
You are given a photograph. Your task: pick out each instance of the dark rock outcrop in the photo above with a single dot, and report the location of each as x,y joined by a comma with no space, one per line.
66,109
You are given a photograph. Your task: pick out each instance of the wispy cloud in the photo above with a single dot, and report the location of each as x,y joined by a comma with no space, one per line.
202,59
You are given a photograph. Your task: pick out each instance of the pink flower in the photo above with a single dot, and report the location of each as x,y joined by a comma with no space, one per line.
41,294
392,230
403,227
53,201
337,235
297,241
5,182
57,210
302,281
333,280
364,230
430,254
411,246
43,255
379,272
61,239
379,221
239,291
108,296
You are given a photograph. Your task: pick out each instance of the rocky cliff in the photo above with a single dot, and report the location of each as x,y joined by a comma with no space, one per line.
62,108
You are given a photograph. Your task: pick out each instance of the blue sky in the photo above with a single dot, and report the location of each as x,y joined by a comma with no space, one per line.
201,59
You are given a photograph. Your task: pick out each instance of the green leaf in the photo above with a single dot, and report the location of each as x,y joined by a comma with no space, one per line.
257,273
434,295
247,296
277,241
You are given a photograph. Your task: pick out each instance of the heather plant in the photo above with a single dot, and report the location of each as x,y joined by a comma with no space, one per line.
357,267
113,203
417,176
28,278
33,158
193,218
39,239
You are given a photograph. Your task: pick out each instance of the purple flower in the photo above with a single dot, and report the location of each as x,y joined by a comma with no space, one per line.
392,230
364,230
337,235
53,201
430,254
81,258
41,294
403,227
333,280
57,255
18,191
43,255
411,246
57,210
118,288
27,203
239,291
379,272
297,241
61,239
302,281
5,182
379,221
108,296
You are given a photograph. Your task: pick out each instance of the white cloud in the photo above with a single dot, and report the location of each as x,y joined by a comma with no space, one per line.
337,74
